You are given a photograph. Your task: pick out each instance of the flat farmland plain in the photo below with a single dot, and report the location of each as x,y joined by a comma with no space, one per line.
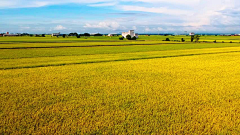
136,87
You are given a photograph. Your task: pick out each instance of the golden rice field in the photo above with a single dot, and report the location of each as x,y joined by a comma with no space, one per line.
156,91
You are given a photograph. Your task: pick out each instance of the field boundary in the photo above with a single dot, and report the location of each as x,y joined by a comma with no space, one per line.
117,60
44,47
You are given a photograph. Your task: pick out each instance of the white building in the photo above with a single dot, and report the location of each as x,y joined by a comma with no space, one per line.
10,35
191,34
56,34
131,33
112,34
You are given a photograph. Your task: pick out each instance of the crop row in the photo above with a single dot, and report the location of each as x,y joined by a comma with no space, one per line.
178,95
100,58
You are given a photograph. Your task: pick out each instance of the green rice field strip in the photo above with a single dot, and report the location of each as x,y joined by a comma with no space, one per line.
147,87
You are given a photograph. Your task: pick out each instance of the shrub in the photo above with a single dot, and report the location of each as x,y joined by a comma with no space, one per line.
86,34
182,40
215,41
167,39
78,35
128,37
230,41
134,38
197,37
121,38
73,34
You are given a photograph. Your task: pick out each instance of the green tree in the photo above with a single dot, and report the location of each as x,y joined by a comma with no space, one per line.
86,34
134,38
78,35
182,40
192,38
167,39
128,37
197,37
73,34
121,38
98,34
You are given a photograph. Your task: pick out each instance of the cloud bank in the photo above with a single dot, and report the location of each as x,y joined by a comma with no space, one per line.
144,15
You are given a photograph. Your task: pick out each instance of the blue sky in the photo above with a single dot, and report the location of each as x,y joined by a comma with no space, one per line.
111,16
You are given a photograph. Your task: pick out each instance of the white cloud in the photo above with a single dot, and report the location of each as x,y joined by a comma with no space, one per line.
134,28
162,10
40,3
104,25
159,15
103,4
158,29
147,29
59,27
24,28
169,1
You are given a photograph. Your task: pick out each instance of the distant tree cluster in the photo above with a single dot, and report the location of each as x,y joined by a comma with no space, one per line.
128,37
78,35
38,35
73,34
168,39
195,37
24,34
121,38
98,34
83,35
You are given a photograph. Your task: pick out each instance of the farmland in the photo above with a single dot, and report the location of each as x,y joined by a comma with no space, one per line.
100,85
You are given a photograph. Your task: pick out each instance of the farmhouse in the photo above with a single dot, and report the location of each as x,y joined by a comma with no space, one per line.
10,35
131,33
112,34
56,34
191,34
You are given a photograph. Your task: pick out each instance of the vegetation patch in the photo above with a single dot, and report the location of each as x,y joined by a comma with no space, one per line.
154,87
